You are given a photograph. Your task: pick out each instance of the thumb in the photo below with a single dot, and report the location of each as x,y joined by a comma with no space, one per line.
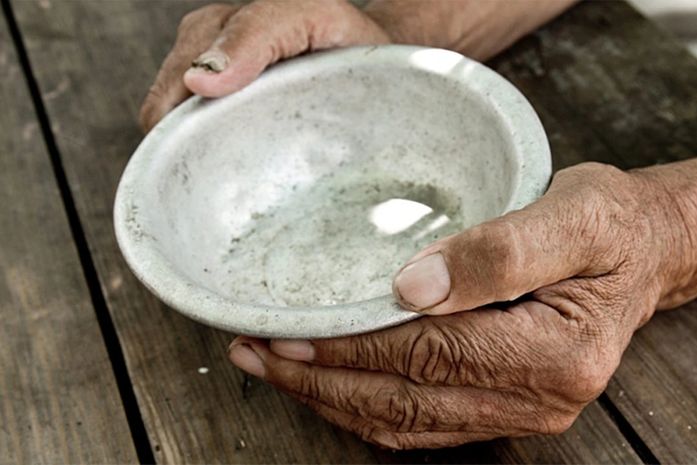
264,32
497,261
249,41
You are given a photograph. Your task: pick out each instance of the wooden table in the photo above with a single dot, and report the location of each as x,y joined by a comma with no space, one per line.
94,369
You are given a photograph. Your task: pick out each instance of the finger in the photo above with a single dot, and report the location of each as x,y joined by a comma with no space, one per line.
369,432
390,402
414,350
378,396
246,358
196,33
485,348
256,37
264,32
503,259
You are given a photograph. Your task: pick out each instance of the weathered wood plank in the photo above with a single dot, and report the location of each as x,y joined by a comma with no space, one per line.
612,87
655,386
58,398
93,61
103,56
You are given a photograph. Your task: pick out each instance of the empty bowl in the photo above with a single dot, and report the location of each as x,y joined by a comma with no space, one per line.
285,209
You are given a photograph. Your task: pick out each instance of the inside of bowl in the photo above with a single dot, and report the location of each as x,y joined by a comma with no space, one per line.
313,187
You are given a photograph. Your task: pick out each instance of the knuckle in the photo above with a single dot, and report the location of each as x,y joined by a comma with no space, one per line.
587,377
598,189
190,19
590,381
591,184
195,17
583,172
399,409
558,423
262,12
602,170
500,241
365,351
432,356
500,251
308,385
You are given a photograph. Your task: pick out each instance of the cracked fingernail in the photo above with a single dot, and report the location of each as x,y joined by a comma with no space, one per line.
213,61
424,283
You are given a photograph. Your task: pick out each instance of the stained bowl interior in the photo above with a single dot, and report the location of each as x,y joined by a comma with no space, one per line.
310,187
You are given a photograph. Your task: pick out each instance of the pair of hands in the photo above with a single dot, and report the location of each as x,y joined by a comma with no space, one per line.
580,270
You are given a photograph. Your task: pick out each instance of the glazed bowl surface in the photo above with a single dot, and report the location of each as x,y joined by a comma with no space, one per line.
285,209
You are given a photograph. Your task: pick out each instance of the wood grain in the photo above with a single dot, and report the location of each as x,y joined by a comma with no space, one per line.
611,87
94,61
58,398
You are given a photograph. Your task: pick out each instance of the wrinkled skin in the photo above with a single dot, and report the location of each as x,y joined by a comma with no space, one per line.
528,314
248,39
230,45
583,269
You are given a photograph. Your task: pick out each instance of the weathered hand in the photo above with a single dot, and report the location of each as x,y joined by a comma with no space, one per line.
578,272
221,48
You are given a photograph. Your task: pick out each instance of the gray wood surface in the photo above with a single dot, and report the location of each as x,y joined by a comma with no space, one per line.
58,398
611,87
656,385
94,61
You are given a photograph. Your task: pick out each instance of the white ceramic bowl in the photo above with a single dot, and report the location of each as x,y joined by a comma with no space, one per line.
285,209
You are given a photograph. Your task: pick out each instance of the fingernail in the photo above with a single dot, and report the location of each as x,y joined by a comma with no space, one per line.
424,283
245,358
213,61
294,349
234,343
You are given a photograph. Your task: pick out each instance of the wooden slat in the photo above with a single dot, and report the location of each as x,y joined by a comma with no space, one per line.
656,384
612,87
58,398
94,61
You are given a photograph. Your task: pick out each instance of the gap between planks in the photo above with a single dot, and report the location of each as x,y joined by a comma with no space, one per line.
627,430
106,326
135,420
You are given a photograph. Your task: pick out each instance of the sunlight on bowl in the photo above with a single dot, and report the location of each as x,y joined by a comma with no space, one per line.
396,215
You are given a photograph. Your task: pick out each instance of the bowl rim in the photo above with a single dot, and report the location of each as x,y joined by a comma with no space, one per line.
529,144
